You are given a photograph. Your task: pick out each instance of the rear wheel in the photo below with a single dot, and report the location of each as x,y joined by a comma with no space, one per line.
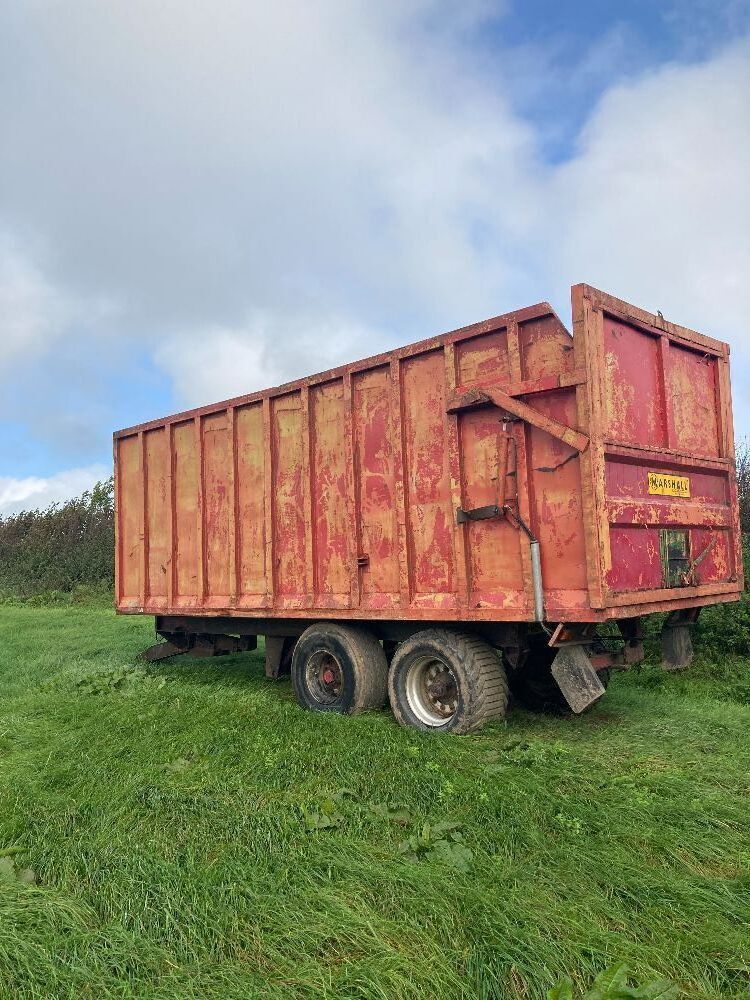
337,668
447,682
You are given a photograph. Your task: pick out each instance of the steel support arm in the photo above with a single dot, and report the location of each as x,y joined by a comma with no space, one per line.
514,407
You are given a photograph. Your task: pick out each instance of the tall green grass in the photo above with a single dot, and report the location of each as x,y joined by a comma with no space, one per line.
192,833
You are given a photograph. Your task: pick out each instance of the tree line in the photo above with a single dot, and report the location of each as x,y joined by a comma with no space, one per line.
64,547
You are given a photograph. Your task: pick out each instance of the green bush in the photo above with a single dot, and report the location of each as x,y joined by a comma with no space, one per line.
60,554
724,629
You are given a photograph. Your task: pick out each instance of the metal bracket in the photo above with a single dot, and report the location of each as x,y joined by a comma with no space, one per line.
198,644
479,513
475,398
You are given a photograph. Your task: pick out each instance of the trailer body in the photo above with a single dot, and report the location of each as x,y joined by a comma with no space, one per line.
411,486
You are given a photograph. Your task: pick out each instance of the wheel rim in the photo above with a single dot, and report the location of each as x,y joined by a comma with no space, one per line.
324,677
432,691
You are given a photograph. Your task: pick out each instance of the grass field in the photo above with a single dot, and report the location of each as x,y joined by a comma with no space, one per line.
186,831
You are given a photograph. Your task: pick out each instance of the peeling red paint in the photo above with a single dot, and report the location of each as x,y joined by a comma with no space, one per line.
337,496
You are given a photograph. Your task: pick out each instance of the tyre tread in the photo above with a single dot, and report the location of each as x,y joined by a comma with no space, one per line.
483,670
368,661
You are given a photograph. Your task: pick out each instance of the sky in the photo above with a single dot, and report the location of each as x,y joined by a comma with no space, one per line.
199,200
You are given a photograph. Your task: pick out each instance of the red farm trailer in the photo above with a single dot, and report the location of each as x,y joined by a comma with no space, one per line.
447,522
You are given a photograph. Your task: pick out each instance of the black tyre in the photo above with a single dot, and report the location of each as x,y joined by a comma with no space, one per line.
534,687
338,668
448,682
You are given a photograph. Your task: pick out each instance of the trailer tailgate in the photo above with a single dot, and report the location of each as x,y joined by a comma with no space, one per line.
663,497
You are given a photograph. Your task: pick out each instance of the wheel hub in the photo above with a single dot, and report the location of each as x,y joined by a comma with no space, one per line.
324,677
432,691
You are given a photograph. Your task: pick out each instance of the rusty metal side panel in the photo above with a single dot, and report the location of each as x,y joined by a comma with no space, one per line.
427,488
217,508
251,527
375,488
558,508
336,493
158,516
287,502
634,390
691,379
490,553
545,348
129,521
495,566
185,463
340,497
553,468
483,359
523,466
332,549
337,496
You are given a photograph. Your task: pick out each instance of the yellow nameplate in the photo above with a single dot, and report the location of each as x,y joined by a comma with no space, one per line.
665,485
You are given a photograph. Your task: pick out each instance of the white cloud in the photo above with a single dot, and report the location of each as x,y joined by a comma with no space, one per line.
269,349
37,493
657,203
655,206
210,159
33,313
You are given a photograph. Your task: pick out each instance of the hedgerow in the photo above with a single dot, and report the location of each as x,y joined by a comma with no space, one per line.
64,549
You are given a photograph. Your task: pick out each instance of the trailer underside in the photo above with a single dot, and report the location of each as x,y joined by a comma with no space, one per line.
565,660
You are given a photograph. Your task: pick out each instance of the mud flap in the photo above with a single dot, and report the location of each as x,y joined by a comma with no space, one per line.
676,647
576,678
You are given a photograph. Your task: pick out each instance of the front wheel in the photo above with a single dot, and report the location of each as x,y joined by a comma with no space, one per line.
339,668
447,682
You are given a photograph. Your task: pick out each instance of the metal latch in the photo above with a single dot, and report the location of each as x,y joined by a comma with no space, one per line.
479,513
